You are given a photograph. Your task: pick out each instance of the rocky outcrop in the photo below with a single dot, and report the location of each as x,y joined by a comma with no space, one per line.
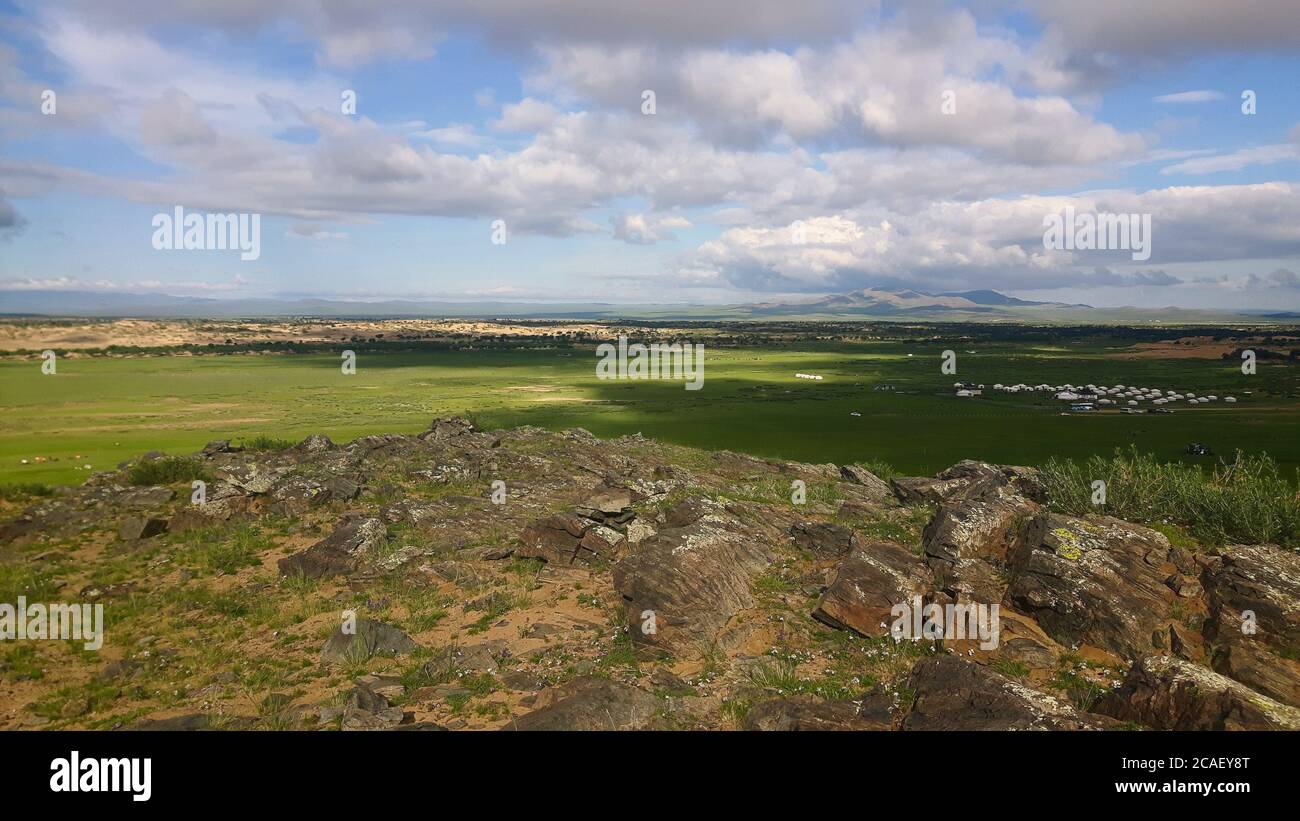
1253,593
968,541
705,585
1168,693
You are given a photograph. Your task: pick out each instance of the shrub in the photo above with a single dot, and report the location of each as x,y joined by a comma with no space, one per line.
1246,500
166,470
267,443
24,490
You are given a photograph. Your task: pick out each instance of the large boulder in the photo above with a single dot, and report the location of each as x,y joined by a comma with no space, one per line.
874,488
693,579
952,693
968,540
1169,693
1097,581
590,704
868,584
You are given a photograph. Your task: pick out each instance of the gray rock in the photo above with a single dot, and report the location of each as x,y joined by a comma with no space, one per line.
1168,693
371,638
590,704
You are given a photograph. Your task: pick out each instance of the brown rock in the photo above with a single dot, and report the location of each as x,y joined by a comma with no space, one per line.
956,694
868,583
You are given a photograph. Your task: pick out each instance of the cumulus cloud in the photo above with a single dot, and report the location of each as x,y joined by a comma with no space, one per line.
352,32
822,115
887,85
998,243
646,229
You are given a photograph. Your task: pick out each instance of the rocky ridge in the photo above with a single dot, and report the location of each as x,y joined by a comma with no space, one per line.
523,579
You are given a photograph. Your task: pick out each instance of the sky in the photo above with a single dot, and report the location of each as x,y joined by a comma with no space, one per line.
674,151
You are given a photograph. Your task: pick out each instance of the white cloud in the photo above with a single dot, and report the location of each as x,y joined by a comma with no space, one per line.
646,229
1235,160
1198,96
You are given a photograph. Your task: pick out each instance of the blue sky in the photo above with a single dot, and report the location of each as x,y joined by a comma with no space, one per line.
794,149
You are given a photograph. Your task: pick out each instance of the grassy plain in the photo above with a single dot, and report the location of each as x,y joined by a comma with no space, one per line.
99,411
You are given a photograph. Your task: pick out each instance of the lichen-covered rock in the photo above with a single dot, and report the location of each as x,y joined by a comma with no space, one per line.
1253,592
1097,581
968,540
955,694
252,477
316,443
1168,693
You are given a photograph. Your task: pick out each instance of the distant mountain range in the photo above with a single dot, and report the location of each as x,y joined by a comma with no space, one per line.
883,302
868,303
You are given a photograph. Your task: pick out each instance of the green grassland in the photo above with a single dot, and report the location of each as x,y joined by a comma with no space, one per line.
105,409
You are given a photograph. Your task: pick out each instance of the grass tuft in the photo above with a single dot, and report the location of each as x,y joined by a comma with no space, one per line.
1246,500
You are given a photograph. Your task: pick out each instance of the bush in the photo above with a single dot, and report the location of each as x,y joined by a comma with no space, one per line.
1246,500
267,443
166,470
24,490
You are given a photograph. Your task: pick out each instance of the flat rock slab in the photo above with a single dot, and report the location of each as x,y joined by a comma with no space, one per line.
808,712
956,694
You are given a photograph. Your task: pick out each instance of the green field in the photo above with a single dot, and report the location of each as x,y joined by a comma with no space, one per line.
106,410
